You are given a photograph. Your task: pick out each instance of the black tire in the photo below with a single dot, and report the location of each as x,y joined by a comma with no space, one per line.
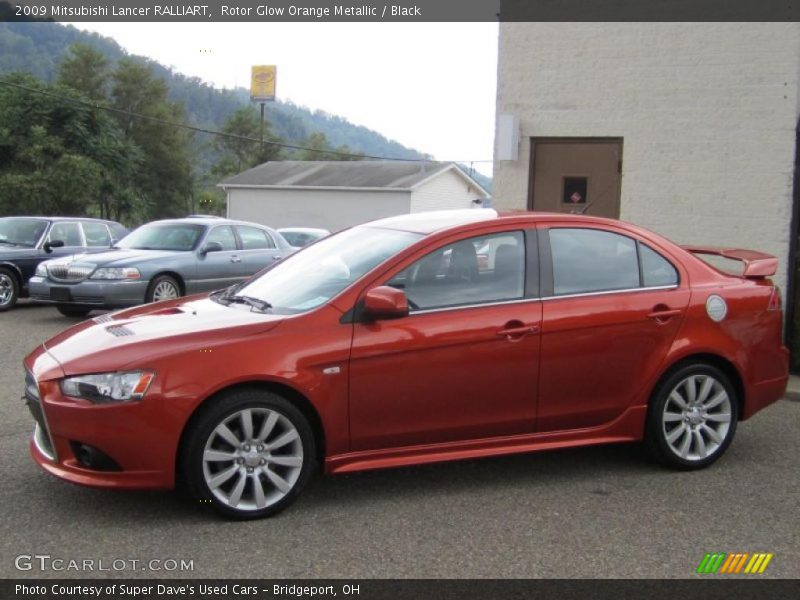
201,436
669,426
73,311
156,283
9,289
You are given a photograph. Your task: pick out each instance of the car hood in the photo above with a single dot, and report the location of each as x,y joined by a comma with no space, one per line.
134,337
121,257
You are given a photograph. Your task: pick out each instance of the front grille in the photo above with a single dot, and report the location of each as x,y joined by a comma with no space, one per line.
67,272
41,434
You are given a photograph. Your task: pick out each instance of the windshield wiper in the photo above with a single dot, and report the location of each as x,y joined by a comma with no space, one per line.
257,303
9,243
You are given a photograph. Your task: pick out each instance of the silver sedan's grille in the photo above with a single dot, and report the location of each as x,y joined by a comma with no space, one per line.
65,272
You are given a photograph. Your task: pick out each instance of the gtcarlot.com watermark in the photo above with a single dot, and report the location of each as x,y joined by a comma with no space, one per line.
47,562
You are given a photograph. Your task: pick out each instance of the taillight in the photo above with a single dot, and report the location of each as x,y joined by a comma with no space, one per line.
775,299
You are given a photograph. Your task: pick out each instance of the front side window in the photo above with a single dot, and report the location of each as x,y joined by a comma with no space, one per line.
223,236
312,276
163,236
591,260
69,233
479,270
96,234
21,232
254,238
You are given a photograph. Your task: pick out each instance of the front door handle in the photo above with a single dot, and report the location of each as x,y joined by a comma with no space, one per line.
235,259
276,257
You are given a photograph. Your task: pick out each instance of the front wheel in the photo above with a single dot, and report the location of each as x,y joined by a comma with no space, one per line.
249,454
692,418
9,290
73,311
161,288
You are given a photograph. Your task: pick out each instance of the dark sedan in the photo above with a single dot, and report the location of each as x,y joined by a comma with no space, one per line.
27,241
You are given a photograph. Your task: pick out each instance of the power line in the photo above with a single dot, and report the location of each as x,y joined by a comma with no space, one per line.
212,131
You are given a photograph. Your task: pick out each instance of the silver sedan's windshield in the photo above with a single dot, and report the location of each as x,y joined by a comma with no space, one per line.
319,272
21,232
163,236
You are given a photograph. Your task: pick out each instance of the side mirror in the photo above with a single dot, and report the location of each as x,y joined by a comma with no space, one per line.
384,302
49,245
211,247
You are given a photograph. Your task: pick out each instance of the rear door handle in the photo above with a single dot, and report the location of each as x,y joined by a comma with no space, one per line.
518,331
664,314
276,257
235,259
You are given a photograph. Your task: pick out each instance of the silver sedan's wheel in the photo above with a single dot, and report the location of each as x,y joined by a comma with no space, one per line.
696,417
8,290
248,453
692,417
161,288
252,459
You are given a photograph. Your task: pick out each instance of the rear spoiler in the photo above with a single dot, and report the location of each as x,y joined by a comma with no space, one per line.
757,265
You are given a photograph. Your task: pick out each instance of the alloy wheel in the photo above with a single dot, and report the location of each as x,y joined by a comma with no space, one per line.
252,459
165,290
696,417
6,289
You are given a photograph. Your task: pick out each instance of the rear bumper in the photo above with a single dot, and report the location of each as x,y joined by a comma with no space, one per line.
762,394
99,294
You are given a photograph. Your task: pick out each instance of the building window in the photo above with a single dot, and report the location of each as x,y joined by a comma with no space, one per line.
575,190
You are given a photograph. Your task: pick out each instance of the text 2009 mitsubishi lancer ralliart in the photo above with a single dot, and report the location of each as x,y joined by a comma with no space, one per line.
415,339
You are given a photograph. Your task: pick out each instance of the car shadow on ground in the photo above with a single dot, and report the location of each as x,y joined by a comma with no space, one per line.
529,471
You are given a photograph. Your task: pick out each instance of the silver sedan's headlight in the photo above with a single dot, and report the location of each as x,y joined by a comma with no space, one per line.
116,273
41,270
105,388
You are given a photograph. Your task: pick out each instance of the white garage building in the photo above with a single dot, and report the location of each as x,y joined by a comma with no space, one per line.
338,194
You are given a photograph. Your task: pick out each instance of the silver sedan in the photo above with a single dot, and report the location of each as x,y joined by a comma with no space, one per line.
159,261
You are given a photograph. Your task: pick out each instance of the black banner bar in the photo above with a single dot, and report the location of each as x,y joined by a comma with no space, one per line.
205,11
711,587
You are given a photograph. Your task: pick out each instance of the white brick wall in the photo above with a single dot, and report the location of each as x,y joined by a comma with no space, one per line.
707,112
445,191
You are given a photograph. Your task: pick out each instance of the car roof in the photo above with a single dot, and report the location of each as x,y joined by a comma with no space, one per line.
433,221
207,221
302,230
54,219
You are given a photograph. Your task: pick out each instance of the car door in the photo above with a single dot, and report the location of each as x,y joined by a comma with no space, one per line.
259,250
97,236
221,268
612,306
463,364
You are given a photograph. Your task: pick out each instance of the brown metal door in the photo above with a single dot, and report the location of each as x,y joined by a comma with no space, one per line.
576,175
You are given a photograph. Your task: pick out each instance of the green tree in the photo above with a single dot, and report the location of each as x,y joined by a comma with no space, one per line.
240,148
85,69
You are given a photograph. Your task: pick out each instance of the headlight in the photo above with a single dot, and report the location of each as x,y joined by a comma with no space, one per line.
116,273
41,270
105,388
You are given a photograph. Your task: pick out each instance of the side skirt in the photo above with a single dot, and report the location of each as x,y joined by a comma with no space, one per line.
628,427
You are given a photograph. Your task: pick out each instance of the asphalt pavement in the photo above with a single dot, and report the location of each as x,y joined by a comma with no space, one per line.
591,512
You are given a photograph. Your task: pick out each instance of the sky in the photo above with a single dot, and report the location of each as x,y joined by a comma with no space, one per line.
429,86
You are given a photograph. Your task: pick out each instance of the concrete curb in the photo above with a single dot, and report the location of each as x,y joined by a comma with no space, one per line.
793,388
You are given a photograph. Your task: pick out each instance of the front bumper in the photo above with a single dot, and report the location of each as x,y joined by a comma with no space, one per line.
96,293
139,437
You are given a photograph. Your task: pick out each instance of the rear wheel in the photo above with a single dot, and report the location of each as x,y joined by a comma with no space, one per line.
9,289
161,288
73,311
248,454
692,417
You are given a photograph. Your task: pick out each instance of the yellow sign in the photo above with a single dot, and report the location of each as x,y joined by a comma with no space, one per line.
262,83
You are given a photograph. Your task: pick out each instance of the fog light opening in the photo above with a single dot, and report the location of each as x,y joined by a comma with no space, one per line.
93,458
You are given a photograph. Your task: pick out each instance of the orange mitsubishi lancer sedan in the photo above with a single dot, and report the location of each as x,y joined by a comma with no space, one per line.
421,338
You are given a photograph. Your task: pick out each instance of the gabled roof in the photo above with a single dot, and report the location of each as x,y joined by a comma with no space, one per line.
388,175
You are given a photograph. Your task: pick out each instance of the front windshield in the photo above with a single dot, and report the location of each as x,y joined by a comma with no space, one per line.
317,273
21,232
163,236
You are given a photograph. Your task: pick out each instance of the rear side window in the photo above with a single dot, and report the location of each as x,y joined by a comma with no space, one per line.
96,234
254,238
590,260
656,270
69,233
